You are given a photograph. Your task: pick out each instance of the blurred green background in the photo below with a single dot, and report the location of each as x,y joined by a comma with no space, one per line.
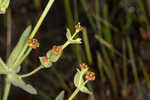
116,46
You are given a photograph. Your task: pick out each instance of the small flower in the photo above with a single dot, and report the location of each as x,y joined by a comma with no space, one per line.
78,27
57,50
83,66
33,43
90,76
45,61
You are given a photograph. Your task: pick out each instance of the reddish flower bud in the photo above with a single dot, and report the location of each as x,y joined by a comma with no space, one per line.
78,27
83,66
45,61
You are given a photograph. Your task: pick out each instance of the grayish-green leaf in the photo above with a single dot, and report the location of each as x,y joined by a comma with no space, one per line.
17,50
76,41
60,96
68,34
78,78
18,82
85,90
17,69
3,67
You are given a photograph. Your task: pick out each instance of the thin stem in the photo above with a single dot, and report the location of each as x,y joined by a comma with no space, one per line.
76,91
68,41
47,8
76,32
35,29
31,73
7,89
65,45
74,94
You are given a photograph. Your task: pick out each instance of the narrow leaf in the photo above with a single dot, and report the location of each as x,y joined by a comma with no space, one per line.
17,69
85,90
17,50
77,41
60,96
3,67
68,34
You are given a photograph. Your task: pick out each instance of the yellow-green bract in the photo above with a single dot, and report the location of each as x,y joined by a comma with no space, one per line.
3,6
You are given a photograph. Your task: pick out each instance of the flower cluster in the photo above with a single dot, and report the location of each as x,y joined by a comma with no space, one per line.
83,76
88,75
55,53
51,56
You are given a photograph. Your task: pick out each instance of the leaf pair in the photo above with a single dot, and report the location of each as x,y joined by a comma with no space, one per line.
79,81
70,39
14,62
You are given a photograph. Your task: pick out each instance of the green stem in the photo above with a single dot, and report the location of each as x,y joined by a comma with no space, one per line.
68,41
47,8
7,89
76,91
74,94
35,29
31,73
65,45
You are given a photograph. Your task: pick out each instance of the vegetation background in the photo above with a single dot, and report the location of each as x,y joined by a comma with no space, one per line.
115,45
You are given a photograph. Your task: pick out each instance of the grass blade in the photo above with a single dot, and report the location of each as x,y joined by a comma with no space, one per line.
134,70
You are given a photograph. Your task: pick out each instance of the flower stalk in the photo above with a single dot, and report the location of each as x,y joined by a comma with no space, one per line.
31,73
